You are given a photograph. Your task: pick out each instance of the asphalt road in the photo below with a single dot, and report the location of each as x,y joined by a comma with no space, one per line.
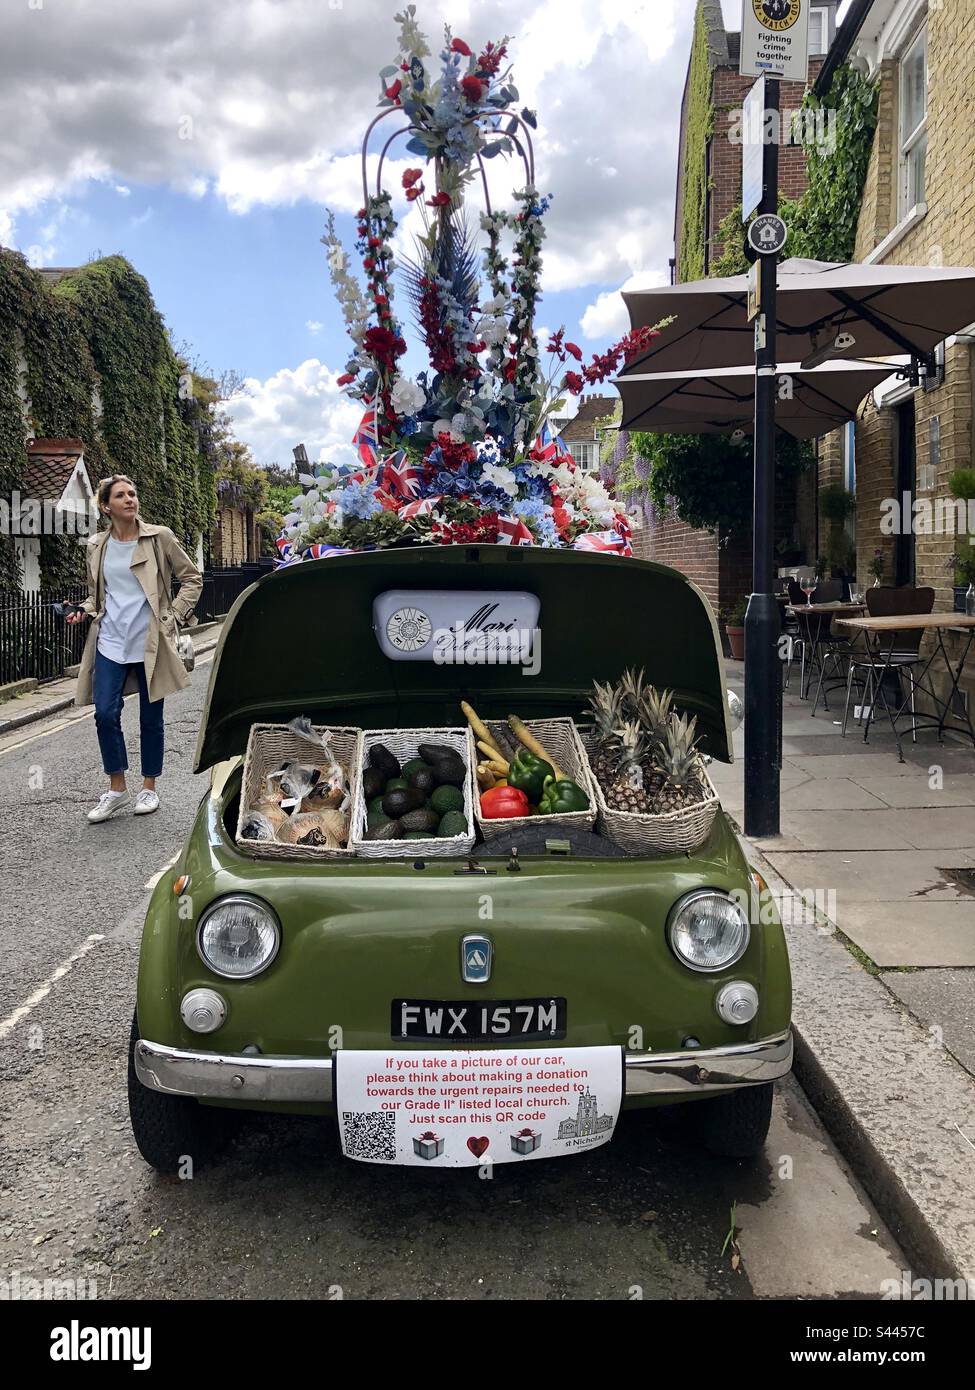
283,1215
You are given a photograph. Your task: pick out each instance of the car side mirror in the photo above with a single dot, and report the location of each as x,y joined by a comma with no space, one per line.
736,710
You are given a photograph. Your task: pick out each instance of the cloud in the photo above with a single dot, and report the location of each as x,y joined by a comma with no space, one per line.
139,104
607,317
302,405
313,325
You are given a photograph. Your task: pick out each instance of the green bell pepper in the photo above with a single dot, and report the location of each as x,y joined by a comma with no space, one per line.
528,773
562,796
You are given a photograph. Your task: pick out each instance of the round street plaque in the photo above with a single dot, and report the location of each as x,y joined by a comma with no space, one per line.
767,234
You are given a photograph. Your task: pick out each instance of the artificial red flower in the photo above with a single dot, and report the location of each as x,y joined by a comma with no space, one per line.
375,241
573,383
473,88
439,200
345,378
394,91
361,212
576,352
459,46
368,263
413,193
411,176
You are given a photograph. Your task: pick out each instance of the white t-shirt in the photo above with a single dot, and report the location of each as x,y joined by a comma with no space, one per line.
122,634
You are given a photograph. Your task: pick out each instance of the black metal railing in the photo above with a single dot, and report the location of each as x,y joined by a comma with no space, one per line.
222,587
34,642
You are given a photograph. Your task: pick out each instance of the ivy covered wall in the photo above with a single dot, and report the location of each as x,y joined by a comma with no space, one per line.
98,327
692,228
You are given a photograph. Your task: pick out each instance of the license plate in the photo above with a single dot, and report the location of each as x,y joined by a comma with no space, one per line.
478,1020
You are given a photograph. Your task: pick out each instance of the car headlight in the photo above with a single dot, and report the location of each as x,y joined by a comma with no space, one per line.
707,930
238,936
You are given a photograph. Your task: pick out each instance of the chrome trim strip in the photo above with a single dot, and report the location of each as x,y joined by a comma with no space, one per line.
244,1079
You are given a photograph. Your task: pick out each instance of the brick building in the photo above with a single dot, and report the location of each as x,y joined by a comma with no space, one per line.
721,566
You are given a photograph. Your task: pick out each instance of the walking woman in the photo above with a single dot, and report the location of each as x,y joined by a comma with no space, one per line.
132,641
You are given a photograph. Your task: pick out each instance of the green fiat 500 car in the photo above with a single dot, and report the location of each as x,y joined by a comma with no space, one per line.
505,1002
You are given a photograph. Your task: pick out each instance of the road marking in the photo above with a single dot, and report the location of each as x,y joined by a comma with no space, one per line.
66,723
22,1010
150,883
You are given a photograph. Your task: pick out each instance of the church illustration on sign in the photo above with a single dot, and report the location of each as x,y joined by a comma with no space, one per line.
587,1121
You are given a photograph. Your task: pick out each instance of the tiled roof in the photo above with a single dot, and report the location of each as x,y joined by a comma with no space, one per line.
583,423
50,464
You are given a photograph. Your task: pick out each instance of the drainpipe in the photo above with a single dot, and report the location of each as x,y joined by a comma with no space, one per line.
845,38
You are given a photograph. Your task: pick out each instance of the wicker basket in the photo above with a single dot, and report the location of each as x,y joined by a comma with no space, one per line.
676,832
559,738
403,744
270,745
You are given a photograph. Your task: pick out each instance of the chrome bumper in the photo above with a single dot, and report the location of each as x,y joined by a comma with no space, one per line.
250,1079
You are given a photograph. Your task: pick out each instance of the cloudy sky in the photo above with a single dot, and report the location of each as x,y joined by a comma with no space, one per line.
204,142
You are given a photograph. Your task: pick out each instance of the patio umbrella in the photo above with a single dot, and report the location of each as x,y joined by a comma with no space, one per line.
885,309
720,401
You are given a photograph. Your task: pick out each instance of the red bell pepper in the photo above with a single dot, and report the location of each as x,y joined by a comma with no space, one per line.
502,803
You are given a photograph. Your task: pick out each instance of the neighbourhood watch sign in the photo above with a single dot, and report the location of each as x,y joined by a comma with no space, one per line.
775,39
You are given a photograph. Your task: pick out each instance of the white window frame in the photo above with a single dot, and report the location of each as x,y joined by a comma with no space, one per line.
909,141
590,462
820,13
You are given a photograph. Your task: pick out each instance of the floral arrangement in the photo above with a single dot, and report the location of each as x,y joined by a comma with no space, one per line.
464,452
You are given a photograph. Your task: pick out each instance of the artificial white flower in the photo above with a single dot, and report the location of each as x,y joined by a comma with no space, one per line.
407,396
446,427
493,331
500,477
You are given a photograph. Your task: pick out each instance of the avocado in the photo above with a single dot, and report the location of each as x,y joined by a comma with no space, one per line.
423,778
417,835
401,800
396,784
375,806
383,759
388,830
447,798
375,819
373,783
420,820
453,823
412,766
450,772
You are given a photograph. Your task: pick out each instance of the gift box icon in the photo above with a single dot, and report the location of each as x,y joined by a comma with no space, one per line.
428,1145
526,1141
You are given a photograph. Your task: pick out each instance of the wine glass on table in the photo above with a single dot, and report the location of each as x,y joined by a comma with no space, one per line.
808,586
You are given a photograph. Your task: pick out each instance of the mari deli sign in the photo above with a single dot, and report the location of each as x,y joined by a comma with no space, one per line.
775,39
457,626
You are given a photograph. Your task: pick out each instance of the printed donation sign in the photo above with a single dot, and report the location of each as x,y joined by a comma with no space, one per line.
461,1108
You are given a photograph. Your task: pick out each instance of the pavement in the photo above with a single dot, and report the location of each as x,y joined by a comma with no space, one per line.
282,1214
884,969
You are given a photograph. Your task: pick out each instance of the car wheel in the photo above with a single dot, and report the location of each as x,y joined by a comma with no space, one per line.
168,1130
735,1125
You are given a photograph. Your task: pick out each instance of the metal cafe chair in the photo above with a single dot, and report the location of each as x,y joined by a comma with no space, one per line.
792,629
884,602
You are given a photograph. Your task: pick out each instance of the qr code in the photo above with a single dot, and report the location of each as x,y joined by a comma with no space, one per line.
370,1134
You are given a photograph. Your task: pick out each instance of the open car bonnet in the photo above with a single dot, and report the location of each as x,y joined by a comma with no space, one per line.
354,640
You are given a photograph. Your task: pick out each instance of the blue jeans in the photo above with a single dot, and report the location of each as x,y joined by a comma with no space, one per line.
109,678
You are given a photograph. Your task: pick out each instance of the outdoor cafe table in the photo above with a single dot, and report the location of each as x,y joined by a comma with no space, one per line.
879,658
818,609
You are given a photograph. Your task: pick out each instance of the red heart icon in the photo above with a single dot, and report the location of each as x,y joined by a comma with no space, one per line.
477,1146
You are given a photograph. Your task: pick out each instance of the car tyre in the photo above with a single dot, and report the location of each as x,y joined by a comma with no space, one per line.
168,1129
735,1125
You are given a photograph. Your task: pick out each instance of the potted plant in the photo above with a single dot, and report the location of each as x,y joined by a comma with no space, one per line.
734,625
835,505
876,567
963,565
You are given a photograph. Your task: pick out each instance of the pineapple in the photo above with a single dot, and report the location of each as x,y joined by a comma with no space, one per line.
632,787
606,705
679,765
633,690
655,712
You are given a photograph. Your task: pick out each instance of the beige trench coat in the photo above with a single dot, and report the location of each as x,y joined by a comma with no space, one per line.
165,672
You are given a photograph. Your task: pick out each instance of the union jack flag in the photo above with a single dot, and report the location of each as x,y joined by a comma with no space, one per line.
604,542
513,531
284,546
365,438
402,477
549,447
423,506
386,500
319,551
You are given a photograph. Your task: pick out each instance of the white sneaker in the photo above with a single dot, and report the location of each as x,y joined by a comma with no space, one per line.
109,803
146,802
